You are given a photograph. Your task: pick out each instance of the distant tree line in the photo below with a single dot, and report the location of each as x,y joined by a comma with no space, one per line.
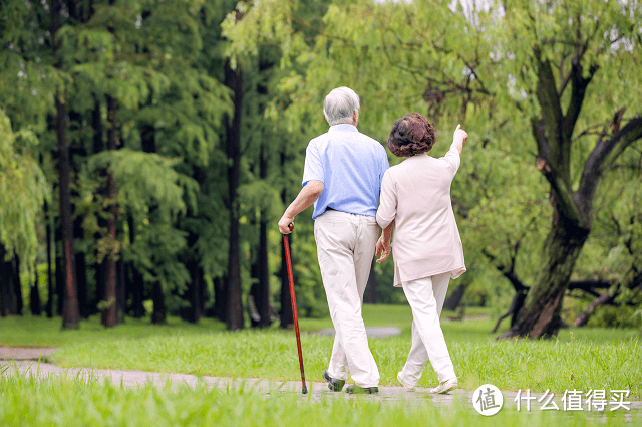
148,147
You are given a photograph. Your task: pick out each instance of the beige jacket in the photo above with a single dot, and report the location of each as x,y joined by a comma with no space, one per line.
416,195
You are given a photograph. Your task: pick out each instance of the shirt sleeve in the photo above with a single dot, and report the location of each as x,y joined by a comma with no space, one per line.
313,169
453,160
388,202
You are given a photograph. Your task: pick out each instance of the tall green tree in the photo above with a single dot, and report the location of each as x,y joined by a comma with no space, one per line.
508,72
23,190
572,55
70,311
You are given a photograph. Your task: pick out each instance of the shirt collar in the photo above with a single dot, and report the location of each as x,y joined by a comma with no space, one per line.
343,128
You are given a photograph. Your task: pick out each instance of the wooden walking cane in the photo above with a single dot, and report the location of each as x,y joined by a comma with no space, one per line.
286,244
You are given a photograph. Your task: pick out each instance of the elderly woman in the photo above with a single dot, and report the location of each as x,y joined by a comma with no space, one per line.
427,251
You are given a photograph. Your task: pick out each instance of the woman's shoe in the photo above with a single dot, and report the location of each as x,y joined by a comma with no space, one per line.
444,387
408,386
333,384
355,389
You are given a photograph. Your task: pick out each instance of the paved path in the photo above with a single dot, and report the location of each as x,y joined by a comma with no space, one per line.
25,353
317,391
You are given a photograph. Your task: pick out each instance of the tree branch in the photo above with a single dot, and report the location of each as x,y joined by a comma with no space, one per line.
589,285
579,84
583,318
509,273
554,156
601,159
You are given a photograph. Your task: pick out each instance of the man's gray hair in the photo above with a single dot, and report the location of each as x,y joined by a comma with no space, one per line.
339,105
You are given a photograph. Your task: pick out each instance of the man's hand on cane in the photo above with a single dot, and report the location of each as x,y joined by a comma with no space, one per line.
307,196
284,223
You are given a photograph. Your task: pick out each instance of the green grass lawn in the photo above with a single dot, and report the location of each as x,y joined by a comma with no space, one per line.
25,402
580,359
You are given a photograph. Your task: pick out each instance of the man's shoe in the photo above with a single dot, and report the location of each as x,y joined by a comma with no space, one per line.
333,384
355,389
408,386
445,387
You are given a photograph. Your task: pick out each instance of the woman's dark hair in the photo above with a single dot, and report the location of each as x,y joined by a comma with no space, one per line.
410,135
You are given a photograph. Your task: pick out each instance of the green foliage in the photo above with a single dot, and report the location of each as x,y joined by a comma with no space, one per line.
386,292
474,65
23,190
615,317
145,179
455,63
26,76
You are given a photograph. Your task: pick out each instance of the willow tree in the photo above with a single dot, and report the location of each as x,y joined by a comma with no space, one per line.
23,190
26,88
562,75
577,61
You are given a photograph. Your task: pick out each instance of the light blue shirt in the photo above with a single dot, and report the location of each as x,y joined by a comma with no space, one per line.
350,165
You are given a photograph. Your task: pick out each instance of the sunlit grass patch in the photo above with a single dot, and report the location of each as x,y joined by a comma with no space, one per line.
26,402
578,359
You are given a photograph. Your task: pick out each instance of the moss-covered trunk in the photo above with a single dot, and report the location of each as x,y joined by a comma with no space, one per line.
540,314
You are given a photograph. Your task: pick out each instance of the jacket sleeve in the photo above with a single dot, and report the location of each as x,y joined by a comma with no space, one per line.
387,201
453,160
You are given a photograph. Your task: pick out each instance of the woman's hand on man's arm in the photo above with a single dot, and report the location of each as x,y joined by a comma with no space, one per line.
383,244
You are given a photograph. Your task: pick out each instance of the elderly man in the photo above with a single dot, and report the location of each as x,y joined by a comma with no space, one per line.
342,177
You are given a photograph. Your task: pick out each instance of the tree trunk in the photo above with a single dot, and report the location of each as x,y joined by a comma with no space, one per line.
50,278
136,285
70,314
7,287
98,146
235,319
79,263
81,278
159,313
159,310
264,298
60,293
77,149
286,316
81,272
109,312
454,299
193,313
573,211
120,291
540,315
35,304
220,297
17,285
515,306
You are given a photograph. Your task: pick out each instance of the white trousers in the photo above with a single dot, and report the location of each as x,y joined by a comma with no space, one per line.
426,297
345,247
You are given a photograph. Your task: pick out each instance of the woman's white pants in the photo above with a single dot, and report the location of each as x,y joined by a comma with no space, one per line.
426,297
345,247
